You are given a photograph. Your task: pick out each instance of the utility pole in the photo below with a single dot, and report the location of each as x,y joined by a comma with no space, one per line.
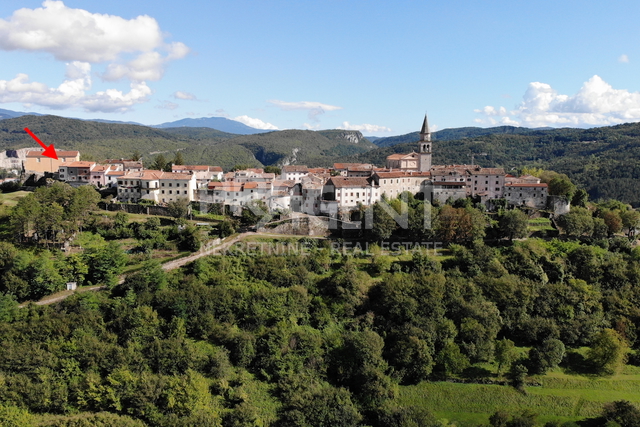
473,157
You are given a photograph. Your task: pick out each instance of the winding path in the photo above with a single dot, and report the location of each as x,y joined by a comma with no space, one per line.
210,248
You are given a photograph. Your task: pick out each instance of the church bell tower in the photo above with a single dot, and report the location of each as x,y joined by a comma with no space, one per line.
425,147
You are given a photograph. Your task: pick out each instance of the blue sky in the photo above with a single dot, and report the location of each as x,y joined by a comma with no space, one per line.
374,66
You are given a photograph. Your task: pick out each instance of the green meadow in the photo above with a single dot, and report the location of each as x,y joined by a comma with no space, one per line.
560,397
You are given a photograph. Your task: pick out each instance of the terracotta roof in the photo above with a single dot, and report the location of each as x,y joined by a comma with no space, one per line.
404,174
116,173
295,168
488,171
59,153
351,165
155,174
525,184
342,182
400,156
79,164
215,169
449,184
100,168
175,168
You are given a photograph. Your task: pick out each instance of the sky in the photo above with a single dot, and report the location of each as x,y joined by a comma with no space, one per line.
369,65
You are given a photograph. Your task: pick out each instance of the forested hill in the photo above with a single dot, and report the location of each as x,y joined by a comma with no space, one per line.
99,141
452,134
96,140
605,161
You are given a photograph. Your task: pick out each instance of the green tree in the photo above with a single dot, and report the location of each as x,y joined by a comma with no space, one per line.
273,169
514,224
105,263
580,198
630,221
159,163
578,222
450,360
622,412
178,159
179,208
505,353
608,352
517,374
383,224
546,356
12,416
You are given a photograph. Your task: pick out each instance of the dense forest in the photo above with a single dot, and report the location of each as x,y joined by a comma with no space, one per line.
308,334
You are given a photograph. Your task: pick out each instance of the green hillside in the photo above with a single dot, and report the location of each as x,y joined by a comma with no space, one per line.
198,145
98,140
605,161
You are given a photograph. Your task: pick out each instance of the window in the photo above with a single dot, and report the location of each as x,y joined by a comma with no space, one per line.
185,191
185,184
163,186
163,193
170,191
169,184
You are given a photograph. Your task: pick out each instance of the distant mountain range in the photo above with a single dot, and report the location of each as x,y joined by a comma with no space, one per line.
219,123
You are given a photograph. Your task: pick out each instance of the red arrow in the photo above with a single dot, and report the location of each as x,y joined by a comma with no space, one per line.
49,151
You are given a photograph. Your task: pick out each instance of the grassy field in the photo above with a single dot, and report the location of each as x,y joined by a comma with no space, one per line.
561,397
540,224
11,199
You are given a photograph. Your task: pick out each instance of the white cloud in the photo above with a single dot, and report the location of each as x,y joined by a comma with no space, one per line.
364,127
623,58
595,104
72,92
255,123
314,108
133,49
184,96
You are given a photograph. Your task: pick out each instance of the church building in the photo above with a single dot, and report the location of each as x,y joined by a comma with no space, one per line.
419,162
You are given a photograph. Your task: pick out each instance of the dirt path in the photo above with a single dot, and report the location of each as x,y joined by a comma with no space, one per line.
215,247
209,249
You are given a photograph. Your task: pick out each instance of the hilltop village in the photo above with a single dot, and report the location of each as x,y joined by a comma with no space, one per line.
313,191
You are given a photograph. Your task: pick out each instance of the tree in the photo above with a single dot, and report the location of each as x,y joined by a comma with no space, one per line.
546,356
577,223
256,212
580,198
383,224
613,221
622,412
137,155
505,353
273,169
630,221
105,263
608,352
514,224
517,374
179,208
159,163
450,360
178,159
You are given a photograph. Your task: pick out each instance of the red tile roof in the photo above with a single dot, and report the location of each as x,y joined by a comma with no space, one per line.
342,182
59,153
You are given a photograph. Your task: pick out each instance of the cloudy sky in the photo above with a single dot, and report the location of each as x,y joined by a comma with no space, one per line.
370,65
